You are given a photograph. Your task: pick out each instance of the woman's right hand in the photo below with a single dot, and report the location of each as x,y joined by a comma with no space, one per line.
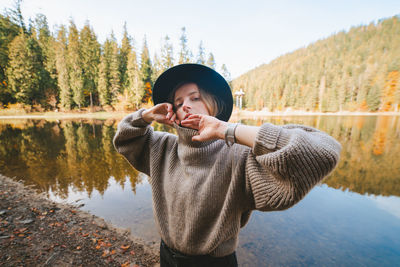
161,113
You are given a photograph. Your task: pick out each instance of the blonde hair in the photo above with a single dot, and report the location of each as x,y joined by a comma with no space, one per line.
213,105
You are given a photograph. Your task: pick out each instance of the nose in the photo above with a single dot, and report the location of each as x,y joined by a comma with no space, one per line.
186,107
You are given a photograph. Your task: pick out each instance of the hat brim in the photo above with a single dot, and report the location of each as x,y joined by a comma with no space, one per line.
205,77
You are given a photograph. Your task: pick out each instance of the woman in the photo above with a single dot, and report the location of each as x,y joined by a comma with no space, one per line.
207,180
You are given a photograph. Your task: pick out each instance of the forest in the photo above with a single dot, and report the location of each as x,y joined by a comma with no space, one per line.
69,69
356,70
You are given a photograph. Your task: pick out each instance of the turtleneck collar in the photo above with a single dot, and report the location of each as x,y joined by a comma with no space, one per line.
185,137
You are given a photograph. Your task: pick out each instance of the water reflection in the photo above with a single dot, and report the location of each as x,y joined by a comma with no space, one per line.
55,155
370,162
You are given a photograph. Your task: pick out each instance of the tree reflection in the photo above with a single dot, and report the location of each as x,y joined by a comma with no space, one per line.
79,154
57,155
370,161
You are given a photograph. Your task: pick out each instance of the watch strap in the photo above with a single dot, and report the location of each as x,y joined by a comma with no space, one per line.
230,138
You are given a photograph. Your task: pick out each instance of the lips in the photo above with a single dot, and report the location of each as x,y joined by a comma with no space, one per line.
187,116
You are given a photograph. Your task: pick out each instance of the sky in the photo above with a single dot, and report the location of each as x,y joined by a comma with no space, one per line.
240,34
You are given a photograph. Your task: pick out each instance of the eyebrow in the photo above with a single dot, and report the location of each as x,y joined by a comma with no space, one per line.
191,93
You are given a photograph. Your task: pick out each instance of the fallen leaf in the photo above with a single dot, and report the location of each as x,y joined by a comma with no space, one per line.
113,251
73,211
126,264
85,235
98,247
105,253
125,247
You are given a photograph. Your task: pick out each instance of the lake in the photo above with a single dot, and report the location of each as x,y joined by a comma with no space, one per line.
351,219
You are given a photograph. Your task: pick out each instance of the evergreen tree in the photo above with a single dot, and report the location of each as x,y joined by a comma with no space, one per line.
8,31
65,92
75,65
184,53
48,76
157,68
167,54
15,15
201,55
109,74
373,98
115,74
211,61
135,89
104,81
225,73
90,60
146,72
23,71
126,47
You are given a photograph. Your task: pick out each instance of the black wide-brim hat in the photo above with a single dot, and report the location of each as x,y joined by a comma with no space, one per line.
205,77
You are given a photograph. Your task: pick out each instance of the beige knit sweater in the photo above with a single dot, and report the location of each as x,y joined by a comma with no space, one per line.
203,192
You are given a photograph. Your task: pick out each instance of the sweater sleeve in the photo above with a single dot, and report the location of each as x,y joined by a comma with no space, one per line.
134,139
286,162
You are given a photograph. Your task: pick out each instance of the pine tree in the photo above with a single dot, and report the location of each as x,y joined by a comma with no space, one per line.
65,92
157,68
23,72
225,73
146,72
15,15
8,31
75,65
201,55
104,81
115,74
90,60
48,75
184,53
167,54
126,47
373,99
211,61
135,89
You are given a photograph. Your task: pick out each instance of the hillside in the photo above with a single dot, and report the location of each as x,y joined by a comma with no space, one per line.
356,70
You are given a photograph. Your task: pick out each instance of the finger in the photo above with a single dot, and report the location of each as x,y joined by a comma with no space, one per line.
193,116
169,107
192,125
173,117
191,121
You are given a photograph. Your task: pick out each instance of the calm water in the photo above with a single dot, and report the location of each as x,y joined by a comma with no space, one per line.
351,219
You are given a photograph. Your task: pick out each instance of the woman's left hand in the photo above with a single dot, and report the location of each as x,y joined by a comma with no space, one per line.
209,127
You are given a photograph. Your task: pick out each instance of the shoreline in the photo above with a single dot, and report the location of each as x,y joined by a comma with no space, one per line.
235,113
37,231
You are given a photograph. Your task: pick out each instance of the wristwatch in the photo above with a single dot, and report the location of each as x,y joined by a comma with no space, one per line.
230,134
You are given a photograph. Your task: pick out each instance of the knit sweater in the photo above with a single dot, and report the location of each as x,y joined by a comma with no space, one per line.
204,192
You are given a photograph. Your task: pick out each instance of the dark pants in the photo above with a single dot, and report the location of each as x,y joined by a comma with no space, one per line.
172,258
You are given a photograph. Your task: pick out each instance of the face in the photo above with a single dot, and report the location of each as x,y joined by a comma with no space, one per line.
187,101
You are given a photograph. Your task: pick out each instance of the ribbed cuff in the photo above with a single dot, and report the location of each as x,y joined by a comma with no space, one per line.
137,120
270,138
